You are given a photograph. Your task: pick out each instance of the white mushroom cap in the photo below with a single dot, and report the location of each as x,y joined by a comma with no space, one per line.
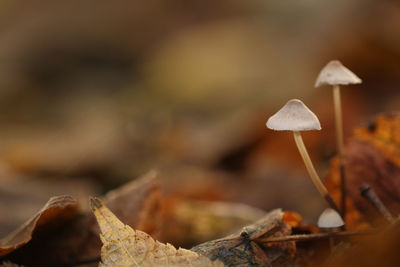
294,116
330,218
334,73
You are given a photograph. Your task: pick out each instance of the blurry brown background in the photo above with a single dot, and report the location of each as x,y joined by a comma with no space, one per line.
94,93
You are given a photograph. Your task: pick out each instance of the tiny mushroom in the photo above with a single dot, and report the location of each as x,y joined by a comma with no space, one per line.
329,218
329,221
335,74
296,117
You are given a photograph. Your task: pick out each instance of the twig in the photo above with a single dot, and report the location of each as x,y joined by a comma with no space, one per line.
309,237
368,193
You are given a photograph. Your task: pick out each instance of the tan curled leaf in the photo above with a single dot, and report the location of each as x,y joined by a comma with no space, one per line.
123,246
57,211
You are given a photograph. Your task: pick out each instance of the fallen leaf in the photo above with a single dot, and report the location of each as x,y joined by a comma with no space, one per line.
77,240
384,134
22,196
137,203
372,157
56,211
123,246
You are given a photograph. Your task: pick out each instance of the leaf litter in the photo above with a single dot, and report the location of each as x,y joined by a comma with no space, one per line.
64,234
123,246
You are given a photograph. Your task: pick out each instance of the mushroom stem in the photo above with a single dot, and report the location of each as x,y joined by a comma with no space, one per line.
340,145
338,119
311,170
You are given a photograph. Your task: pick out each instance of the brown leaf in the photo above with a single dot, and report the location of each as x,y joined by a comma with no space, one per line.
56,211
77,241
137,203
22,196
123,246
372,157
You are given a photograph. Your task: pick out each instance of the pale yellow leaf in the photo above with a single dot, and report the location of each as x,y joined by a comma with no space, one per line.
125,247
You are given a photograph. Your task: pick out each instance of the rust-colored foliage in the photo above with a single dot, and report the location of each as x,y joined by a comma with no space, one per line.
373,158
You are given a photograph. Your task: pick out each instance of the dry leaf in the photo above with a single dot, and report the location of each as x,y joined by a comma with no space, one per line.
384,134
123,246
77,240
56,211
23,196
372,157
137,203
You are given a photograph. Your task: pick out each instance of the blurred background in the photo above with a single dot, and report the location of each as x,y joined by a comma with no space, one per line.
95,93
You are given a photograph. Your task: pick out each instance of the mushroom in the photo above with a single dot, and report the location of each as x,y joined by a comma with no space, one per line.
330,221
296,117
335,74
330,218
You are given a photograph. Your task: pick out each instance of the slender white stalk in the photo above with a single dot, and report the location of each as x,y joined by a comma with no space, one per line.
309,165
338,120
311,170
340,147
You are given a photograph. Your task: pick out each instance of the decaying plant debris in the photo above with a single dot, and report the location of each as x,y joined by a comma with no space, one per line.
64,234
372,157
56,211
74,239
123,246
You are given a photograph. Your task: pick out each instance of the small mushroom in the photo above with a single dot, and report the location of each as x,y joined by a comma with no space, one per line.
335,74
296,117
330,218
330,221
